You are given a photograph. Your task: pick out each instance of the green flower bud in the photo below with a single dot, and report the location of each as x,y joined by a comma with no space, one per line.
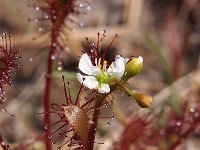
134,66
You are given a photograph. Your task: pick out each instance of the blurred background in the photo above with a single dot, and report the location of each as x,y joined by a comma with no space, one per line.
166,33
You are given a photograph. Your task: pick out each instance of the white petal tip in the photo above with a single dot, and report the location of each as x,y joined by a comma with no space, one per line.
104,88
140,59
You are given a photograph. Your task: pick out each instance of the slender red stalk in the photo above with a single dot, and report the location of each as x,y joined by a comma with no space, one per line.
92,130
58,12
2,143
47,89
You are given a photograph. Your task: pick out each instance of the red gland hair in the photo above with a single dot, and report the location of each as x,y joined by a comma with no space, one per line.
94,49
8,58
74,119
58,14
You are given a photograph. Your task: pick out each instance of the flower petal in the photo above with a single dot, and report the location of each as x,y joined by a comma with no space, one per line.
117,67
88,81
104,88
85,65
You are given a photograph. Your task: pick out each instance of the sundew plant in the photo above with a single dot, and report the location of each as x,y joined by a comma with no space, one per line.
86,72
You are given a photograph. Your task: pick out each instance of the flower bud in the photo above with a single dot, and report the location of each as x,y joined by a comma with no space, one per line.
143,100
134,66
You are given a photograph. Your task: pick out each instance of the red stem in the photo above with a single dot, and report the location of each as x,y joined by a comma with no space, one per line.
95,117
47,90
92,131
3,144
102,97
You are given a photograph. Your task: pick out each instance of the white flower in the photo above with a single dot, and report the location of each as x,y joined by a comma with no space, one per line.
96,76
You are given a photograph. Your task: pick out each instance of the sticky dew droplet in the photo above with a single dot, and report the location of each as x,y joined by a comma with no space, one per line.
108,123
192,109
54,17
53,142
178,123
45,127
54,44
37,8
40,29
162,131
60,68
30,59
89,8
81,24
80,5
46,16
53,57
36,20
91,122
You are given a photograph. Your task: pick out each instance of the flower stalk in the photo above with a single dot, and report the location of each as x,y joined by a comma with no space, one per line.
58,11
143,100
47,89
92,131
100,100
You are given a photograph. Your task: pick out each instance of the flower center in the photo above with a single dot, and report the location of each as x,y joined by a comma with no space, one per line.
103,77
